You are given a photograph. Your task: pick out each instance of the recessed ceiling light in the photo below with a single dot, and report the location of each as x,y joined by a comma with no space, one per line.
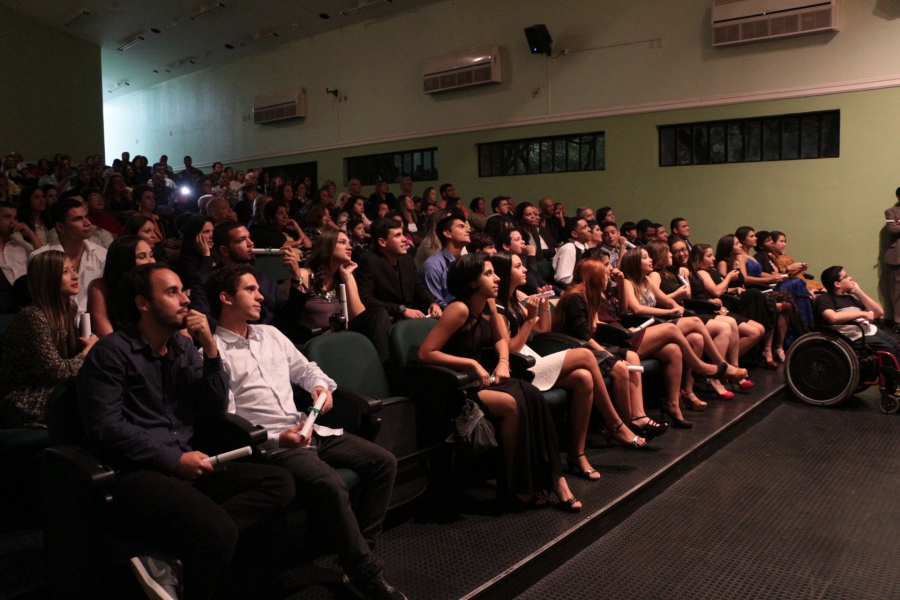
155,30
229,46
325,16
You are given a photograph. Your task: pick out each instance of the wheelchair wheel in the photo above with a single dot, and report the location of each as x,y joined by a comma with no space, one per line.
822,370
889,403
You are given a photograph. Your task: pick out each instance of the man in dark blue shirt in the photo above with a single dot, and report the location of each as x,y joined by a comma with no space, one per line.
139,391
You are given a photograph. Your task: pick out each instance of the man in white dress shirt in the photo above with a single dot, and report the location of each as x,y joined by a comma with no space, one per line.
14,249
261,363
570,253
74,229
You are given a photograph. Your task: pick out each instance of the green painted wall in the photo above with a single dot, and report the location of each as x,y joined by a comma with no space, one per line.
50,91
831,209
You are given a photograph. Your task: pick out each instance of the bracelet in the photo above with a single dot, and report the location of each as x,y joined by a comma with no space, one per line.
502,359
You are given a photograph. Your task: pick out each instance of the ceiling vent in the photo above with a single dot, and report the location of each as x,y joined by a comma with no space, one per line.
745,21
462,69
278,106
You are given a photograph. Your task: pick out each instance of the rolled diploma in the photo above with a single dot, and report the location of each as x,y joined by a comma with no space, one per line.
226,456
267,251
344,310
545,294
644,325
311,418
636,368
85,325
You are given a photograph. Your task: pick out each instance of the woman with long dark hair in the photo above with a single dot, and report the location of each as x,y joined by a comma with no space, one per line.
124,254
144,227
32,210
196,249
40,347
318,221
329,265
526,433
528,219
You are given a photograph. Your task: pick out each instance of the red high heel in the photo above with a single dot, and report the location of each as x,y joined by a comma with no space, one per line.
746,384
767,357
726,395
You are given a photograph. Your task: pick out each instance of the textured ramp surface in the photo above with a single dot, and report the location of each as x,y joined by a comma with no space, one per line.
803,505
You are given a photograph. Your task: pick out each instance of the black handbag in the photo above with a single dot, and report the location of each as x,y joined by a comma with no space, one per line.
473,433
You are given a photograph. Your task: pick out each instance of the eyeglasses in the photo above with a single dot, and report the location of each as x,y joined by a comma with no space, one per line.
682,251
843,278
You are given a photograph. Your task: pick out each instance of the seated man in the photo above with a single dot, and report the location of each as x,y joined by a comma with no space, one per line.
570,253
512,241
682,231
646,232
135,389
843,302
614,245
659,235
261,365
14,249
481,242
454,235
500,208
387,276
282,305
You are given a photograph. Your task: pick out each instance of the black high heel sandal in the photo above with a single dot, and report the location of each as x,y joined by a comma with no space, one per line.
648,431
610,436
677,423
576,469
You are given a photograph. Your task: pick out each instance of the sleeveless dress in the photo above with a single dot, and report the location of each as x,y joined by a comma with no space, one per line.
754,304
669,287
546,369
755,269
698,292
536,462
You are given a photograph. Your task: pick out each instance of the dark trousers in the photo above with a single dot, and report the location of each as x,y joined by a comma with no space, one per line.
375,324
323,493
882,341
199,521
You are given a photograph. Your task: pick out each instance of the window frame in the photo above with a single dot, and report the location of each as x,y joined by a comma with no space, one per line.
539,155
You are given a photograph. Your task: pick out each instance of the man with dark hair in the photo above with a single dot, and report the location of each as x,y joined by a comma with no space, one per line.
282,305
449,199
500,207
189,170
454,235
614,245
481,242
387,276
570,253
605,213
135,389
513,241
71,223
243,210
645,232
659,234
847,309
14,250
682,231
628,230
261,364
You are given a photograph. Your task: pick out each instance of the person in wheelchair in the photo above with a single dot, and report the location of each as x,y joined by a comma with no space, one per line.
845,302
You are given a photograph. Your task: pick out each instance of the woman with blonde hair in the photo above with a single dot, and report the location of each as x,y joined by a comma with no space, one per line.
259,210
41,348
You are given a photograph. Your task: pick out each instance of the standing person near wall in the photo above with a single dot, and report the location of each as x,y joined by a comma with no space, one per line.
892,258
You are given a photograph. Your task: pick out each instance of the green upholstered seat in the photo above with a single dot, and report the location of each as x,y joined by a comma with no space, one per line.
545,269
273,265
406,337
351,360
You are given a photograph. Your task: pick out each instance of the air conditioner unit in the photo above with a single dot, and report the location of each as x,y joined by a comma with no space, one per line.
278,106
744,21
462,69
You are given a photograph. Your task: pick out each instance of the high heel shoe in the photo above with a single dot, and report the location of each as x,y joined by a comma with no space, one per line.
569,505
576,468
779,354
692,402
738,375
767,357
668,415
649,430
746,384
636,442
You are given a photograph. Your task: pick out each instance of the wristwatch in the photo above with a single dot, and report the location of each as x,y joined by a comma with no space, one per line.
402,308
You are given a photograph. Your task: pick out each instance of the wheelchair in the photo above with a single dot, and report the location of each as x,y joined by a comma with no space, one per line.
824,368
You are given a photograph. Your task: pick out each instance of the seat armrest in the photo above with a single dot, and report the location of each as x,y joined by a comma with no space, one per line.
703,307
808,276
225,432
366,405
438,375
634,320
731,301
89,470
611,336
561,338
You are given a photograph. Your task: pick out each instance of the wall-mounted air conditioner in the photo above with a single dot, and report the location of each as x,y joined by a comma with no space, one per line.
462,69
277,106
744,21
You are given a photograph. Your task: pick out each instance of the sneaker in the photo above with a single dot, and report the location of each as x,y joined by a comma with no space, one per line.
373,588
160,579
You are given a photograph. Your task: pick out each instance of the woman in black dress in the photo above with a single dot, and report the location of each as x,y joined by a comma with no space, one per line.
526,432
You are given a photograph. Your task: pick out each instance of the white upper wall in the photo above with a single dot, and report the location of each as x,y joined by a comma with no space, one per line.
377,67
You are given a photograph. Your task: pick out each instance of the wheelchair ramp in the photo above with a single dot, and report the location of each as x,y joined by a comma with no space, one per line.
461,544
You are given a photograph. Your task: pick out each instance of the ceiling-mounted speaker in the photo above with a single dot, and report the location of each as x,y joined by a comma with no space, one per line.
539,39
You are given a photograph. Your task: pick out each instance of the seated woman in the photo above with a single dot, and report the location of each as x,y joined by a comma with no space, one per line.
331,264
528,219
357,207
270,233
406,209
575,370
674,281
318,220
142,226
477,216
431,243
770,254
642,296
146,206
40,348
123,254
587,303
196,249
526,433
259,209
753,274
748,332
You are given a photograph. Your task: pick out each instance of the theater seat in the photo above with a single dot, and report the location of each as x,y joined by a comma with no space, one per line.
364,405
273,265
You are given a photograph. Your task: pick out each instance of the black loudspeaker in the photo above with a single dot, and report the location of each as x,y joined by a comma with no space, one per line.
539,39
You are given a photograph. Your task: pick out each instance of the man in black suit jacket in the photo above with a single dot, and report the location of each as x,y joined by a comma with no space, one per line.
387,276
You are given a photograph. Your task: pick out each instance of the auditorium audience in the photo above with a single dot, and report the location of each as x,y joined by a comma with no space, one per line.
123,254
526,433
381,194
772,248
387,276
146,207
41,348
271,231
142,226
454,236
512,241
